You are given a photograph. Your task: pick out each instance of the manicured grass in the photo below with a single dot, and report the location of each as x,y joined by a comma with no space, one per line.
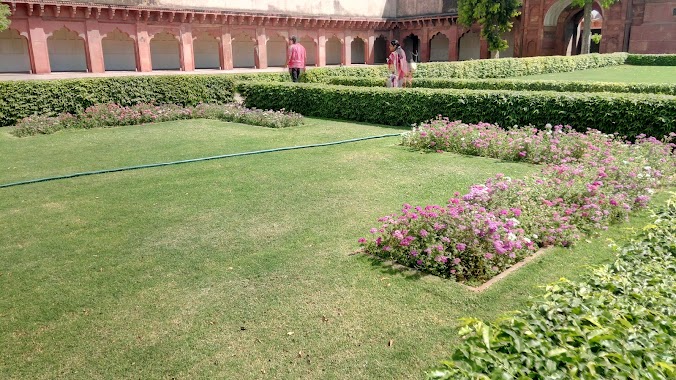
235,268
624,73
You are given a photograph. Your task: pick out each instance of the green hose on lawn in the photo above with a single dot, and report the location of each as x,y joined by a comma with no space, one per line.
104,171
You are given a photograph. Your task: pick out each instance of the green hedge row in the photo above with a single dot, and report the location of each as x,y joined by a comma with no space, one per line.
51,97
516,85
620,323
484,68
651,59
626,114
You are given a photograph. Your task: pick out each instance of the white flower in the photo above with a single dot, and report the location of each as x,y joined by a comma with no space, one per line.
514,221
647,168
511,237
650,191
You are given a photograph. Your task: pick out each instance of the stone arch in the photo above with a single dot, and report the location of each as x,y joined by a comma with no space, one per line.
334,49
509,52
380,49
206,51
439,48
276,47
119,51
358,50
310,45
411,45
469,46
66,51
243,54
165,52
14,52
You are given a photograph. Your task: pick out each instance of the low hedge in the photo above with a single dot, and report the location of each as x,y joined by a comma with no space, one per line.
626,114
651,59
37,97
619,323
484,68
516,85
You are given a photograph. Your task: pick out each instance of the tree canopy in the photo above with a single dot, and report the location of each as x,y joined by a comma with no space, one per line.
4,17
494,16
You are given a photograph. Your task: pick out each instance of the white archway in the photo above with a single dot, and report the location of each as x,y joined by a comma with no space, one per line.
119,53
276,48
334,54
470,47
164,52
439,47
66,51
14,52
206,52
243,52
358,49
310,50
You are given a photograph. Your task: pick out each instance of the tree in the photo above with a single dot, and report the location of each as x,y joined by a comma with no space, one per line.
586,31
494,16
4,17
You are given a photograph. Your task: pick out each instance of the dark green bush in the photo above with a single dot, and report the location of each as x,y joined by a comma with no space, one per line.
620,323
516,85
652,59
483,68
626,114
37,97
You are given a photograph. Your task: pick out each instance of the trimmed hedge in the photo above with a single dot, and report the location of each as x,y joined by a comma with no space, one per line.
517,85
651,59
38,97
484,68
619,323
626,114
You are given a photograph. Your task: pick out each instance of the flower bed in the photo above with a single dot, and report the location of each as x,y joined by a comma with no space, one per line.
110,115
616,324
589,180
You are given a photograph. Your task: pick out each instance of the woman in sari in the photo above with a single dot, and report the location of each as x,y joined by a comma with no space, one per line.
397,65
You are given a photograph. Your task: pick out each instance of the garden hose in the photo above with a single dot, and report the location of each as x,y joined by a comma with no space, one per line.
82,174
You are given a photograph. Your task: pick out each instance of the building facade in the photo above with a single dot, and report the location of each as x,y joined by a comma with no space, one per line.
146,35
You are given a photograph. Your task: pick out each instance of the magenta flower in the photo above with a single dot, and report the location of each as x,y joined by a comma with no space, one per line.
460,247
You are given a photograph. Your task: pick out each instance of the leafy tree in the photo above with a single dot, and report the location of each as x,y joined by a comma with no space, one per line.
4,17
586,31
494,16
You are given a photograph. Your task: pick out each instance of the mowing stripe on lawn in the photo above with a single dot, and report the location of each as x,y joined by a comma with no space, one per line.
104,171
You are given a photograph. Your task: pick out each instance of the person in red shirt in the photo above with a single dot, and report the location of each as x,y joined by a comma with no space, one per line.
296,62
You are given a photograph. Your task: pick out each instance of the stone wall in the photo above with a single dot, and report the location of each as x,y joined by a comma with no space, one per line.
339,8
409,8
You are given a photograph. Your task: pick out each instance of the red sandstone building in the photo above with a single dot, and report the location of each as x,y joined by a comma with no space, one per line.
146,35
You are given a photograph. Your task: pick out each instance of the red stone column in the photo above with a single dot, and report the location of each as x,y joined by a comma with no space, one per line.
424,45
144,63
226,49
484,53
95,60
347,49
370,46
321,48
187,55
261,42
37,47
453,53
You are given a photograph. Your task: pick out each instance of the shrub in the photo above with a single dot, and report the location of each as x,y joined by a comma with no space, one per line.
626,114
323,74
516,85
27,98
652,59
112,115
590,181
617,323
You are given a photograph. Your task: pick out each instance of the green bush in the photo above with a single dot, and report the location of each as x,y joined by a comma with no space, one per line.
626,114
484,68
620,323
516,85
651,59
36,97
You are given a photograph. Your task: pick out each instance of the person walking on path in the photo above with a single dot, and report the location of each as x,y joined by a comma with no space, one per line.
296,61
397,65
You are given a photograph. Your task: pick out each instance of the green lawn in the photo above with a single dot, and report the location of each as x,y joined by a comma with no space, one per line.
624,73
234,268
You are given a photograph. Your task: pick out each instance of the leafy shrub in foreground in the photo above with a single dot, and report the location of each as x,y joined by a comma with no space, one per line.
619,323
652,59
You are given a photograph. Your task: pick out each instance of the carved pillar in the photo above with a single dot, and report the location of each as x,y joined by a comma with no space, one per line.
453,53
370,43
226,49
37,47
187,55
95,61
321,48
143,55
347,49
261,43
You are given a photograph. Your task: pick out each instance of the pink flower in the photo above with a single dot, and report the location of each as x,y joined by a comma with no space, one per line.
460,247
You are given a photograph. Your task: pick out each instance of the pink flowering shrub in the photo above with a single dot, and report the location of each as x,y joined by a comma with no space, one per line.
589,181
111,115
